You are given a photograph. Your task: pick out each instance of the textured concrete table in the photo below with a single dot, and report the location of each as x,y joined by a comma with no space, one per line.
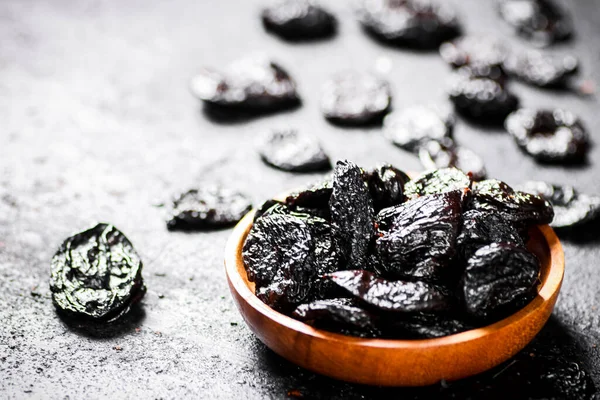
97,124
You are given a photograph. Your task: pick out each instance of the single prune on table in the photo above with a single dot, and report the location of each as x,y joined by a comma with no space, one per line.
298,20
446,153
540,21
252,83
291,151
313,200
414,126
353,98
352,214
541,69
208,207
552,136
479,51
571,208
423,325
498,280
396,296
386,184
417,239
96,275
438,181
411,23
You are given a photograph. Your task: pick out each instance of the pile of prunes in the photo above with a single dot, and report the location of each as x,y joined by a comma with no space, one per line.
377,254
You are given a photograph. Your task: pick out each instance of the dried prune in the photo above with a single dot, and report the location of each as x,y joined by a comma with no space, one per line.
541,69
253,83
412,23
352,214
479,51
445,153
313,200
96,275
353,98
289,150
555,136
417,239
494,73
386,184
438,181
498,280
266,207
414,126
208,207
396,296
298,20
540,21
571,208
423,325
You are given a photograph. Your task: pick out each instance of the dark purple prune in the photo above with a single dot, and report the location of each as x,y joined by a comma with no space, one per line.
445,154
353,98
352,214
291,151
571,208
314,200
208,207
411,23
496,196
386,184
298,20
417,239
541,69
479,51
498,280
396,296
266,208
549,136
96,275
253,83
540,21
438,181
484,71
414,126
422,326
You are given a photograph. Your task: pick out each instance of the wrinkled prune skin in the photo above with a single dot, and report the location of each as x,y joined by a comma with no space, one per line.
206,208
478,51
549,136
571,208
252,83
266,207
446,154
353,98
540,21
298,20
423,325
498,280
352,214
386,185
422,24
395,296
314,200
438,181
414,126
540,69
96,275
291,151
417,239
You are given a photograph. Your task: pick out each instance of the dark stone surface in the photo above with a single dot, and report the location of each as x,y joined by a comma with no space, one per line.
98,124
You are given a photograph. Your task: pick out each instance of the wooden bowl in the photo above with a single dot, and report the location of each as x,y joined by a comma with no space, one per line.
397,362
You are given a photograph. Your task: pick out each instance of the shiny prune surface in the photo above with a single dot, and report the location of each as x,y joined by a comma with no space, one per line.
551,136
447,154
541,69
96,275
424,325
298,20
313,200
289,150
386,185
437,181
474,50
207,207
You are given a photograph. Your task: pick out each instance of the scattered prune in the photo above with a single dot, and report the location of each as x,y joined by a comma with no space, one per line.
353,98
414,126
423,325
571,208
549,136
352,214
253,83
314,200
289,150
541,69
412,23
208,207
445,154
396,296
96,275
298,20
417,239
438,181
494,73
540,21
386,185
499,279
478,51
